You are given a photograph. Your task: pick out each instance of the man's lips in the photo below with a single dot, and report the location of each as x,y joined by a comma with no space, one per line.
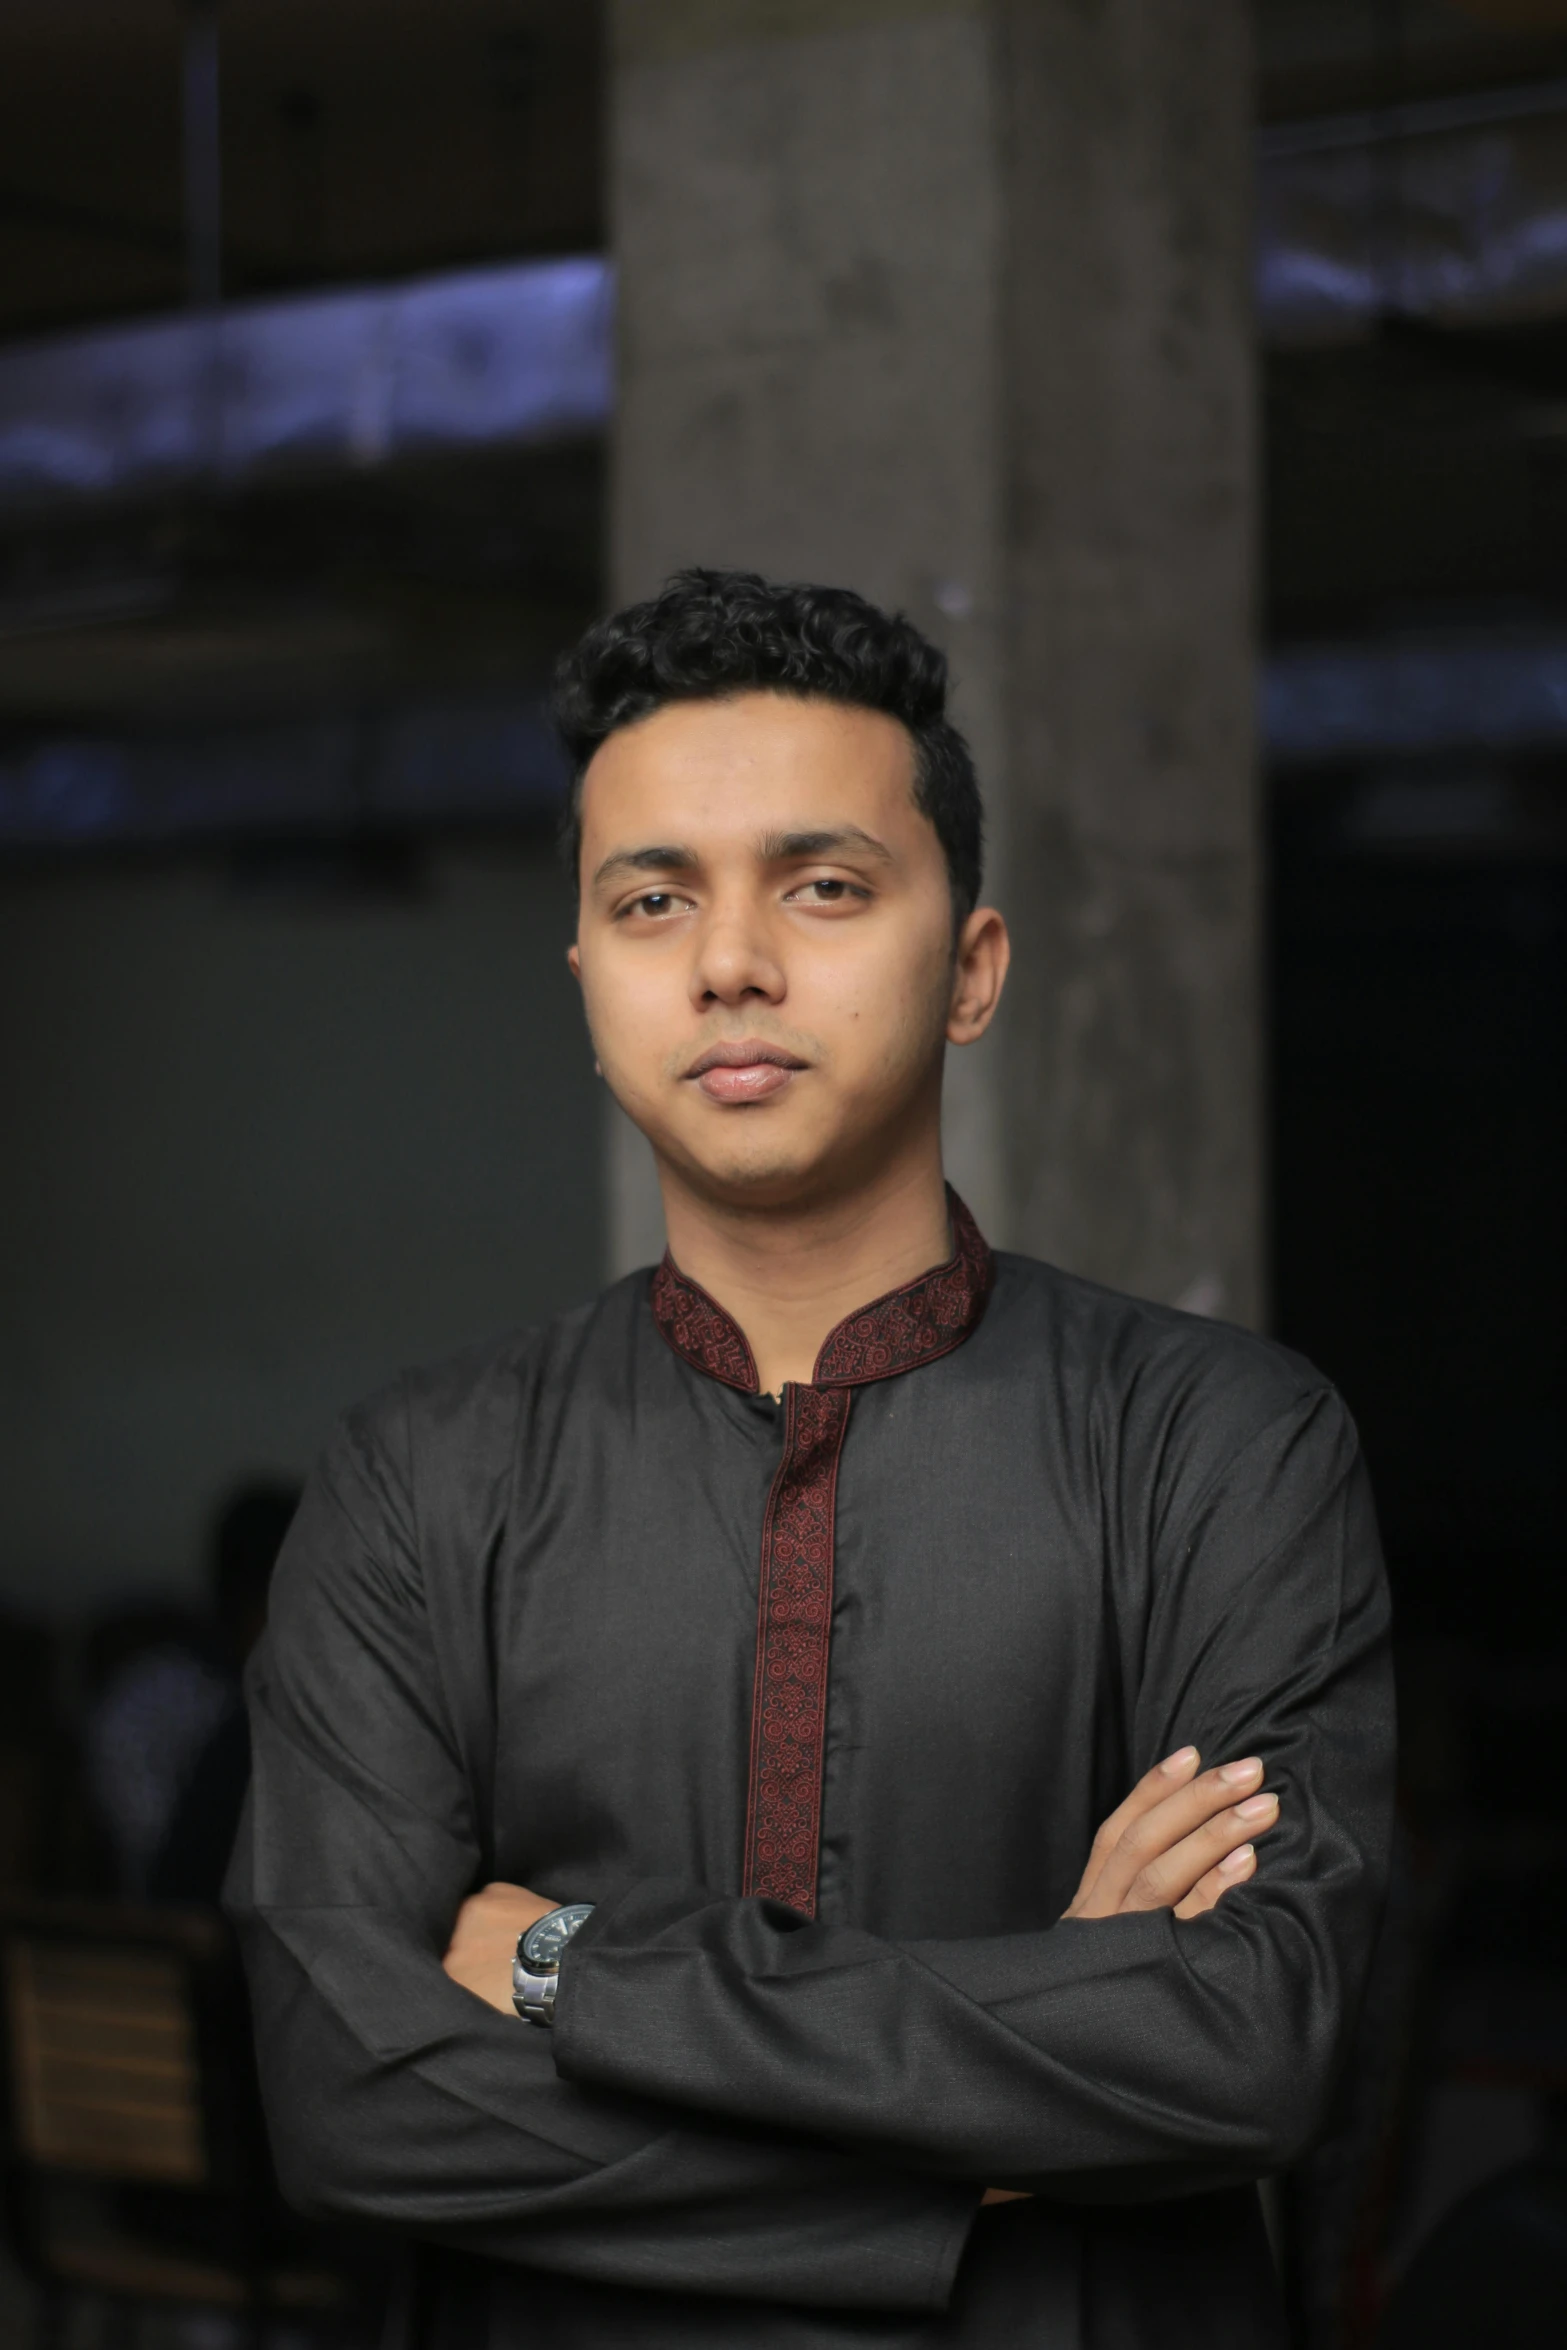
746,1072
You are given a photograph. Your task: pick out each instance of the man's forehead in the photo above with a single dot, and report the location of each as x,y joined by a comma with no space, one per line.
750,765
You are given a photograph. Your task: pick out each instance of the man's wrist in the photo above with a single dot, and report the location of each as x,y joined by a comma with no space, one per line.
535,1971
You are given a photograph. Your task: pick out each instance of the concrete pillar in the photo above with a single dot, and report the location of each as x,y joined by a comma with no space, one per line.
948,301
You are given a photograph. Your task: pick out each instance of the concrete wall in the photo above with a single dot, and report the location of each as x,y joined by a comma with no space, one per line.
807,211
1133,869
949,302
259,1155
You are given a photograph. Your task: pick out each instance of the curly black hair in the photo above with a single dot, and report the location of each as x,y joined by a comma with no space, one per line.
709,634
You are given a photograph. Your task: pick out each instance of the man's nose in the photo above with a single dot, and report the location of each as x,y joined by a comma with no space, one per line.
735,960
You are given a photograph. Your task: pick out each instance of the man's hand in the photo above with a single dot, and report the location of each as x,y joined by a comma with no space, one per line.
1178,1841
484,1940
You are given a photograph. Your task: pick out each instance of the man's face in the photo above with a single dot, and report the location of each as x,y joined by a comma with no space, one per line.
765,941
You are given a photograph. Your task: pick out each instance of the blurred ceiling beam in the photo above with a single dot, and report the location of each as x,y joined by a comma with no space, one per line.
466,360
1450,211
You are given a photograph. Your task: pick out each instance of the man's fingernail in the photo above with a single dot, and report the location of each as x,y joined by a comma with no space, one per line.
1175,1764
1241,1858
1256,1807
1236,1774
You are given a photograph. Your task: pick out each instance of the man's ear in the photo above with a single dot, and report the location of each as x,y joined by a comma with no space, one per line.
979,972
574,966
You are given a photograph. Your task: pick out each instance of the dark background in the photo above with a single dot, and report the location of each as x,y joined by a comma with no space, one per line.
287,1107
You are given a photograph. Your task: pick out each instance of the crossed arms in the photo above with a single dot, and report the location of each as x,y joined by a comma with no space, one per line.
1180,1841
780,2111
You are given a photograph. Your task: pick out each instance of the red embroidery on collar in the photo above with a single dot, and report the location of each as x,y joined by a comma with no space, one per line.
697,1327
914,1324
926,1318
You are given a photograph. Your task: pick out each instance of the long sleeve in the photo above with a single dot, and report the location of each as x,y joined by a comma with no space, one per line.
1120,2059
393,2095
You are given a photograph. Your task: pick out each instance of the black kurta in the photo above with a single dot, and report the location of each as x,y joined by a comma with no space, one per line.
515,1633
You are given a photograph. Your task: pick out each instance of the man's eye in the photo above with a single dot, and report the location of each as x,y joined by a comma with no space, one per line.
657,903
826,890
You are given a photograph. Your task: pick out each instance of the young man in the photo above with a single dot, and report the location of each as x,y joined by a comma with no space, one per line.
675,1887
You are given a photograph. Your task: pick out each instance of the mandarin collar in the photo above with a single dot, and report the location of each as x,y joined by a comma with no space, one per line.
927,1317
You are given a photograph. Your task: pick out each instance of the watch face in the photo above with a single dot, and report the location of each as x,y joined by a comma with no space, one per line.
542,1944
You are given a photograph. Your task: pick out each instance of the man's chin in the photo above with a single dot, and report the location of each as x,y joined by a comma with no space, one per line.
771,1171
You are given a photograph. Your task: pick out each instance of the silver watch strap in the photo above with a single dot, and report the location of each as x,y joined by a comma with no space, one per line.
533,1995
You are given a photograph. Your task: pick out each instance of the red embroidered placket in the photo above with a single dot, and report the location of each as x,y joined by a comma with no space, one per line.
910,1326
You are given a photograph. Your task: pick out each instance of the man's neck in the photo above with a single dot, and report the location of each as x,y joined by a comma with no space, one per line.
789,1277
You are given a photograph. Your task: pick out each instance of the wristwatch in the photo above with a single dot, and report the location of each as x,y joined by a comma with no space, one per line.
535,1970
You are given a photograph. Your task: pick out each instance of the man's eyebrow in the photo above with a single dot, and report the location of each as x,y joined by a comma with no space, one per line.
660,858
780,848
